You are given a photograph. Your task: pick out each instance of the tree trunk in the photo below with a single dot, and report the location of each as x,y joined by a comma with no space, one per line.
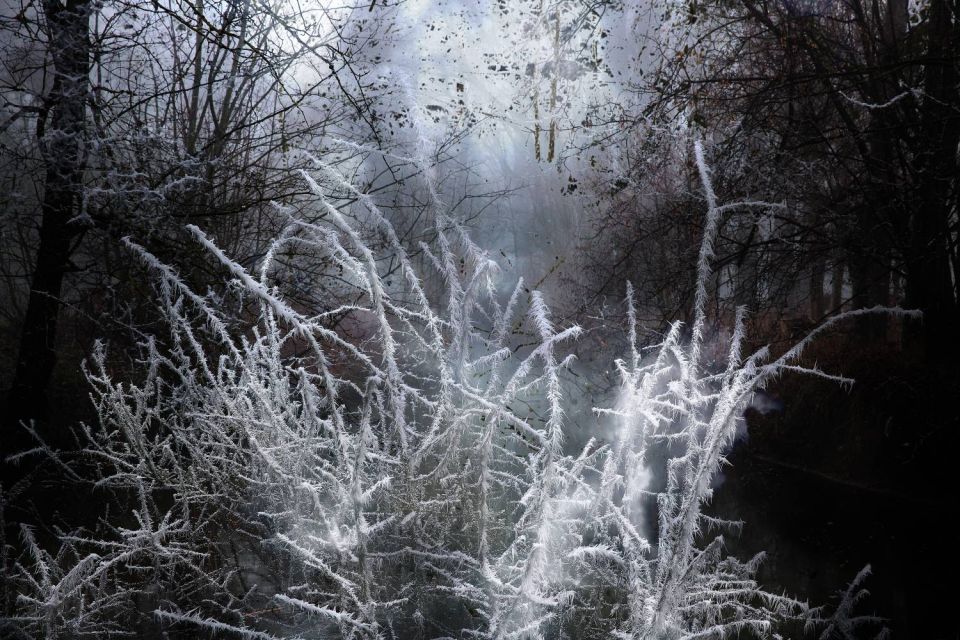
836,285
817,273
929,277
61,143
870,278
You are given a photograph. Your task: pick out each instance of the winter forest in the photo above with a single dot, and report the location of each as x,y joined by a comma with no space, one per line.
479,319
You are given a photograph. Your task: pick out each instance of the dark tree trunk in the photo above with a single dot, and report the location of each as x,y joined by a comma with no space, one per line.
870,278
62,143
818,272
929,277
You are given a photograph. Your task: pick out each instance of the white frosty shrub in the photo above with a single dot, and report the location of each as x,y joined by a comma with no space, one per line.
290,482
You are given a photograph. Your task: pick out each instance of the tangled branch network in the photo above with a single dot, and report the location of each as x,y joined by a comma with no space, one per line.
289,482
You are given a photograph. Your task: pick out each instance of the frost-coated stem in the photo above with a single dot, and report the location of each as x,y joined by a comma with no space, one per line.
704,259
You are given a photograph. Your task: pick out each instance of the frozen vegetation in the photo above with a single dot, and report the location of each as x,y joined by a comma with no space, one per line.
292,482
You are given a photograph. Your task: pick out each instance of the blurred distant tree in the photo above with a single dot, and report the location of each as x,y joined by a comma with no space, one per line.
558,63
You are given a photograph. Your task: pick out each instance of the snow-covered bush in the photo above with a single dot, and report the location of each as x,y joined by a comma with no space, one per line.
291,482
